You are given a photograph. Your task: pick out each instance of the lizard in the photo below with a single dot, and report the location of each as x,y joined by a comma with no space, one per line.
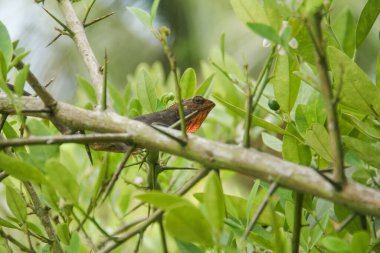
196,110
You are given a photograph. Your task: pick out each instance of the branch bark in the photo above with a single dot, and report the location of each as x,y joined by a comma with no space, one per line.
81,41
213,154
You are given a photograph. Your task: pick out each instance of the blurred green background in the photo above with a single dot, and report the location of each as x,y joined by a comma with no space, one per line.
196,27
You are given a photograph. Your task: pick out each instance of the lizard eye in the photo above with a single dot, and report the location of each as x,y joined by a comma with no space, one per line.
198,100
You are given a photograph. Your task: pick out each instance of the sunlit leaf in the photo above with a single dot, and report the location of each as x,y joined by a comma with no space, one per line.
205,87
142,15
335,244
20,80
265,31
214,203
357,90
188,83
360,242
5,43
61,179
249,11
344,29
20,169
272,142
88,88
146,92
318,139
367,18
16,204
366,151
74,243
179,222
285,84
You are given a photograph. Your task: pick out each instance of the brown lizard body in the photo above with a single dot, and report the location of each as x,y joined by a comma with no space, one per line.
198,107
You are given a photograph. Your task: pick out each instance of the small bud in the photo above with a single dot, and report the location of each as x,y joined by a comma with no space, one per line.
266,43
273,104
293,43
164,31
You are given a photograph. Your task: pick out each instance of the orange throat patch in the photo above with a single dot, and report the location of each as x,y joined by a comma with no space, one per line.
196,121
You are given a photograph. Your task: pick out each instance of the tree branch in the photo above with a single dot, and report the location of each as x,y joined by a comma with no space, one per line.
314,26
80,39
213,154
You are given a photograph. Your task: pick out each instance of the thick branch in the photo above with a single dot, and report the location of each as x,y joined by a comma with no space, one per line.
80,39
212,154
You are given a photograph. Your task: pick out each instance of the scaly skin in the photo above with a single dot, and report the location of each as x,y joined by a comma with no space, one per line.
167,118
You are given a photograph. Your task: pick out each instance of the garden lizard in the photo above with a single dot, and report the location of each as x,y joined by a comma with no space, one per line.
195,109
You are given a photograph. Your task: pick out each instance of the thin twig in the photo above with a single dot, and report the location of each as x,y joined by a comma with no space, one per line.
81,41
15,241
152,218
259,210
104,86
297,222
163,237
346,222
43,215
88,10
98,19
3,120
116,175
314,26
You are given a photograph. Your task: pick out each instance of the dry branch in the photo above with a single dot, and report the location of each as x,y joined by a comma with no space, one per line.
213,154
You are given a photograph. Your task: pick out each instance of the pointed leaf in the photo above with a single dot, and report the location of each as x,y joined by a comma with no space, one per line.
5,43
366,151
204,88
249,11
20,80
285,84
16,204
142,15
265,31
318,139
344,29
153,10
214,203
360,242
179,222
62,180
367,18
188,83
163,200
293,150
272,142
146,92
20,169
87,88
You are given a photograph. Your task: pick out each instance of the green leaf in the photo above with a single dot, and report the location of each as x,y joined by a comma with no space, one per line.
222,44
16,204
257,121
367,18
274,12
118,102
20,80
179,222
310,7
293,150
250,200
285,84
61,179
188,83
272,142
378,72
249,11
20,169
335,244
153,10
318,139
7,224
360,242
5,44
141,15
365,127
362,175
74,243
344,28
63,233
146,92
364,150
204,89
39,154
357,90
214,204
163,200
265,31
18,59
185,247
87,88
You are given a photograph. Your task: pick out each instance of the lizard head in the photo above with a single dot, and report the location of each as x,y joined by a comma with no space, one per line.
201,106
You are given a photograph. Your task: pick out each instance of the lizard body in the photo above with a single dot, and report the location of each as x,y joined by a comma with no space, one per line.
198,107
